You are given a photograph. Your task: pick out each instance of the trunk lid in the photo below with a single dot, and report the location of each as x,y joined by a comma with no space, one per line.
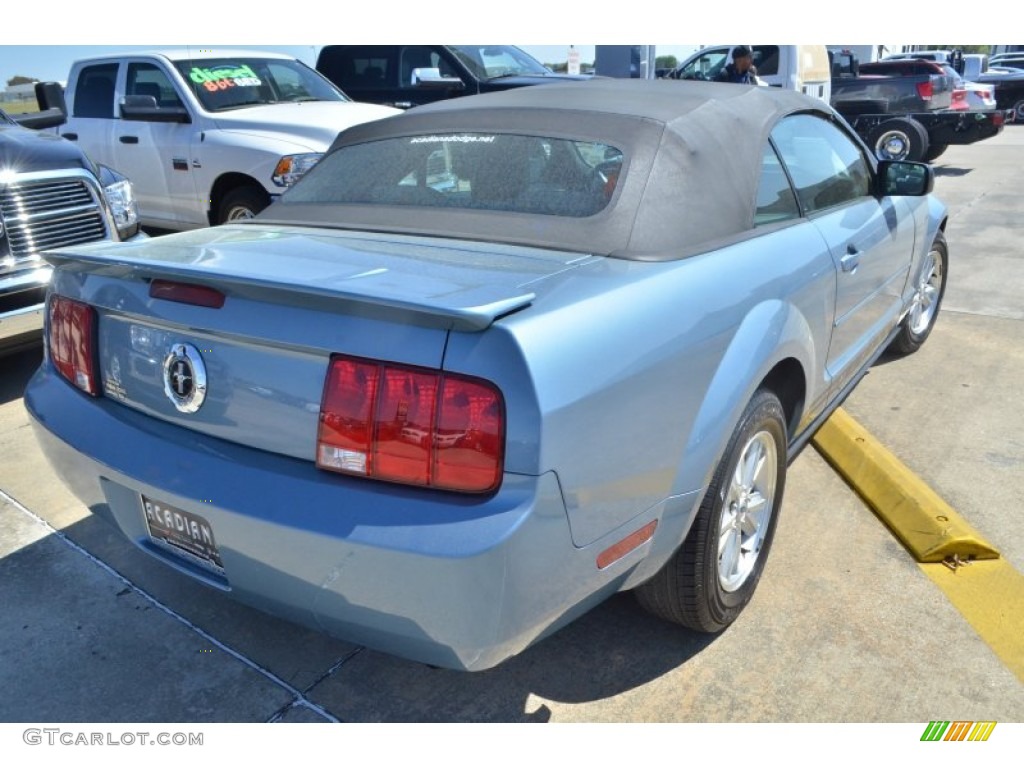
293,297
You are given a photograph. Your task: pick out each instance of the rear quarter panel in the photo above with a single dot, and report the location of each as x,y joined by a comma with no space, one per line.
627,379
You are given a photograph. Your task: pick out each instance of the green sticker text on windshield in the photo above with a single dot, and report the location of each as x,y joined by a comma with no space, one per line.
219,78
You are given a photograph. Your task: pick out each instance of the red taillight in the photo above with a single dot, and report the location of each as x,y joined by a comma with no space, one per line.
410,425
925,90
73,342
959,100
468,444
404,427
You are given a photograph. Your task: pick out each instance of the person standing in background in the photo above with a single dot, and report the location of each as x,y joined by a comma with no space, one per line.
741,69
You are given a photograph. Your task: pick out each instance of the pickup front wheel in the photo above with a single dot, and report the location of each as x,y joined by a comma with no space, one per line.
899,139
242,203
712,576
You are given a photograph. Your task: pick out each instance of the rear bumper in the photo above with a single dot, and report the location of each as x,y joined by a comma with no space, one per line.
963,127
449,580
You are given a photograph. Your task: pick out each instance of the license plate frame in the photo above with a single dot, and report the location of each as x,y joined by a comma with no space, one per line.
182,532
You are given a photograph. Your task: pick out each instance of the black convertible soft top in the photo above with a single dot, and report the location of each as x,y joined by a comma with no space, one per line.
692,154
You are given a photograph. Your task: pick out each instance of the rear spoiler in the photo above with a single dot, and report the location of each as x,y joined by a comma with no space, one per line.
52,112
469,310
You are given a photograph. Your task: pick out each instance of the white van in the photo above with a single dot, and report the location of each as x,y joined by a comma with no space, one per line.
801,68
974,65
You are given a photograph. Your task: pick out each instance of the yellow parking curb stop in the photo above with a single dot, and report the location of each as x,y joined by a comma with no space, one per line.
986,589
927,526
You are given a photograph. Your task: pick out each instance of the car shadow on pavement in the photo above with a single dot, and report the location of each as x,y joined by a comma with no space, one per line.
17,368
948,170
613,649
76,645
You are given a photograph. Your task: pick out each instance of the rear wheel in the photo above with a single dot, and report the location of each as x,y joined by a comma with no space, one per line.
899,139
713,575
924,311
1018,112
934,151
242,203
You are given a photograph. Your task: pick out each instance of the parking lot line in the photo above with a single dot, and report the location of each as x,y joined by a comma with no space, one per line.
986,589
990,595
298,697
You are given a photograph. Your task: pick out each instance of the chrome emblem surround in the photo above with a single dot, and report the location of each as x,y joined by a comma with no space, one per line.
185,378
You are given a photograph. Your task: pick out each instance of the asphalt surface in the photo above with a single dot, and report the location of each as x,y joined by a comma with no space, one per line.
844,626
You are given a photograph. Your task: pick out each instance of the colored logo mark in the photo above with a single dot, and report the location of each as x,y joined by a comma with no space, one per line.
959,730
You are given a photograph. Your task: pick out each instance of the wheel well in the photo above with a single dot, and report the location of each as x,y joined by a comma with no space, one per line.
788,383
225,184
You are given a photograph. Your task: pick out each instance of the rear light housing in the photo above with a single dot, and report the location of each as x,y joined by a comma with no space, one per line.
187,293
959,100
410,425
72,342
925,90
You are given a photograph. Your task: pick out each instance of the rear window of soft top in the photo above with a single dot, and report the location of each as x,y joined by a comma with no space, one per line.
493,172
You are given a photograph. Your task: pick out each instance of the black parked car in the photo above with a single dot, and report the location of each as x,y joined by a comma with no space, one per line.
51,196
409,75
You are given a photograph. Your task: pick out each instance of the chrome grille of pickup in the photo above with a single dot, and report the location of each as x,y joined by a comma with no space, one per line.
40,215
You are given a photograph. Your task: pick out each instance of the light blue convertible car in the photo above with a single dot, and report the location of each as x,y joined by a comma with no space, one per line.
494,360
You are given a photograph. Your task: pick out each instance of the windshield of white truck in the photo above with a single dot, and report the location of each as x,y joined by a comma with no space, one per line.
222,84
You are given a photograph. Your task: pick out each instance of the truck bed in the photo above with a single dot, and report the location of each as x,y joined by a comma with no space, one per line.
893,95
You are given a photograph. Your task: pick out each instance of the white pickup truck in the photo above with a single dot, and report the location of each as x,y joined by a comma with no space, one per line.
206,136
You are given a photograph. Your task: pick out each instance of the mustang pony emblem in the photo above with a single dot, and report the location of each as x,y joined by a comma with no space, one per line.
185,378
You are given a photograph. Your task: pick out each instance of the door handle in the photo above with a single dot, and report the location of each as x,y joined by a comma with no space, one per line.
851,260
70,136
129,139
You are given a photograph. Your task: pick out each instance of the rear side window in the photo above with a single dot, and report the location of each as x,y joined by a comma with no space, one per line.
827,167
775,198
94,95
493,172
359,68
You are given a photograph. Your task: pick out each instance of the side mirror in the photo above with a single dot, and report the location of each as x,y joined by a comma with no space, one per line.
145,108
52,109
50,95
903,178
430,77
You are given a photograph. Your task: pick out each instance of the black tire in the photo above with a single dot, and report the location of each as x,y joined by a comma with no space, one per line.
1018,112
691,588
242,203
934,151
931,287
901,138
